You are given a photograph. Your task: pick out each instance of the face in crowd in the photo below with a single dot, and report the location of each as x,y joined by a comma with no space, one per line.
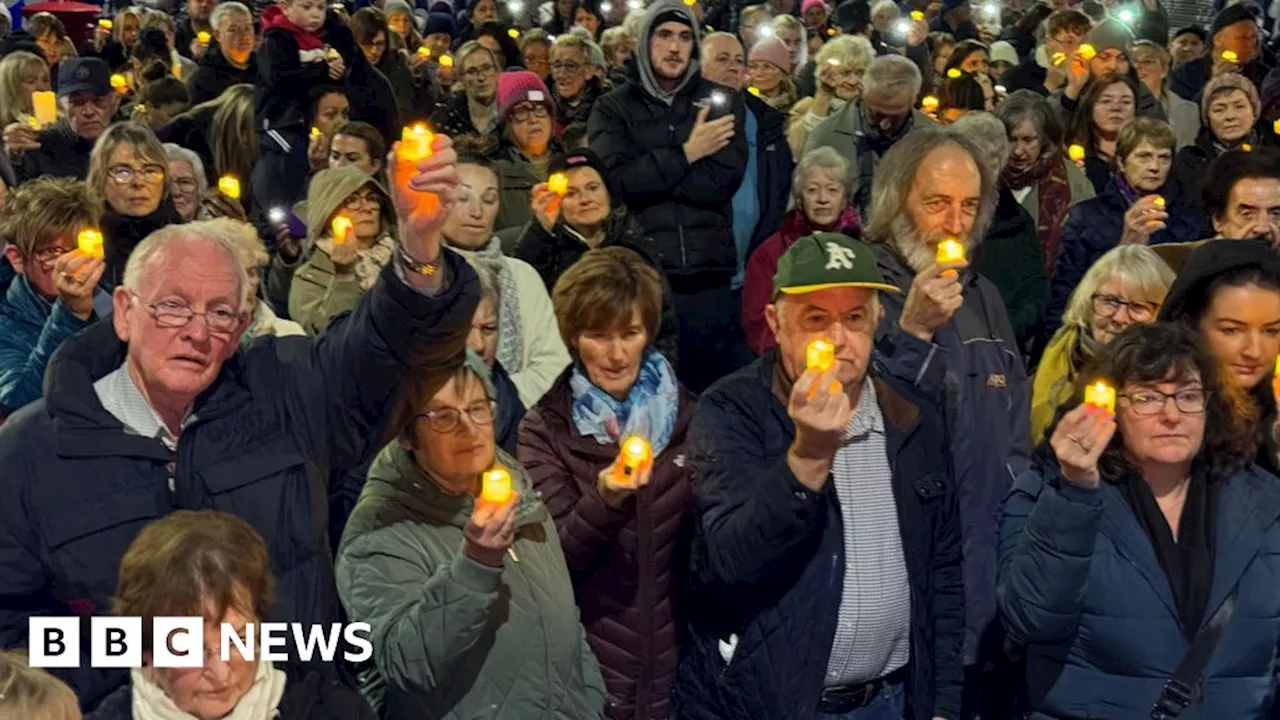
944,201
586,205
452,438
307,14
846,317
569,68
724,62
670,49
134,184
470,224
353,150
480,77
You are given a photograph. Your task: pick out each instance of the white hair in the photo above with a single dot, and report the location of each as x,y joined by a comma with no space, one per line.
892,76
177,153
988,133
224,9
148,254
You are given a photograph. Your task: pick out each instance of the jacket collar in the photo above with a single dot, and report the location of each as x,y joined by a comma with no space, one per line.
25,303
900,414
556,408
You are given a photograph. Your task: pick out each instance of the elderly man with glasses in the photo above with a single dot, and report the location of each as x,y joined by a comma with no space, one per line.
161,410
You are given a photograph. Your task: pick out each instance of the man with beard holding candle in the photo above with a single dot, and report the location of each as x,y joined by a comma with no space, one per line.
952,335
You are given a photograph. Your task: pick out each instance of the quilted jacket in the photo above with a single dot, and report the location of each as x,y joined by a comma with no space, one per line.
628,563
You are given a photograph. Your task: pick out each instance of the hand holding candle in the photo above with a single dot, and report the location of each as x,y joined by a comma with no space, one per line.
636,455
495,487
89,242
120,83
490,531
950,250
44,103
229,185
1080,438
1101,395
1086,51
341,229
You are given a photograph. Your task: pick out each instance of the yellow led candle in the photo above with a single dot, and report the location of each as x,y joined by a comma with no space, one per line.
495,487
831,32
33,122
513,33
45,105
1278,366
120,83
635,450
341,227
1230,56
415,143
917,15
229,185
1158,200
754,90
558,183
1076,153
954,73
950,250
1275,127
1059,58
105,24
1101,395
203,37
1086,51
89,242
315,132
819,356
1246,147
929,103
424,52
446,61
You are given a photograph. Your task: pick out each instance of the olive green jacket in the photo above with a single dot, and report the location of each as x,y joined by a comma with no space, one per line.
452,638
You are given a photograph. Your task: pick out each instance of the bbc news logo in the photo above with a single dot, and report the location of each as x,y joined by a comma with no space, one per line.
178,642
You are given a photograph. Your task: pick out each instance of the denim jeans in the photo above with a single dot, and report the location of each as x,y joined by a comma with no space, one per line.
889,704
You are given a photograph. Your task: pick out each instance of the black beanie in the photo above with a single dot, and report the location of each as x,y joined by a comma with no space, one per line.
1231,15
1209,262
576,159
669,16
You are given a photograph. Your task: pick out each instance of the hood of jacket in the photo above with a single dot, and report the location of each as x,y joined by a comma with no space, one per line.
395,477
1211,260
644,60
328,189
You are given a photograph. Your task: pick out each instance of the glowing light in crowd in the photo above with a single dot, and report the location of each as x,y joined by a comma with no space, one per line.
229,185
1101,395
105,24
917,15
558,183
446,61
635,451
819,356
1158,200
950,250
1086,51
1246,147
1127,16
495,487
954,73
341,229
992,10
203,37
606,8
415,142
1230,56
754,90
764,31
277,215
1001,89
1059,58
513,33
515,7
315,132
120,83
719,99
424,52
45,105
1076,153
89,242
929,103
902,27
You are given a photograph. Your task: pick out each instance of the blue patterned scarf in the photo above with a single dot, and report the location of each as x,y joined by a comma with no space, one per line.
649,410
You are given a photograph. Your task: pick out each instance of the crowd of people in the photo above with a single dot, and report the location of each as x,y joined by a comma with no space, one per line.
911,359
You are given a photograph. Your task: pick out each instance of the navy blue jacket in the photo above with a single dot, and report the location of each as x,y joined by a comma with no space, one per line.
1080,583
768,556
280,420
975,367
774,165
1096,225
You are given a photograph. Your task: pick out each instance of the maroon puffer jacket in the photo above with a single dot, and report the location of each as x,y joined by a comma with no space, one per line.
627,564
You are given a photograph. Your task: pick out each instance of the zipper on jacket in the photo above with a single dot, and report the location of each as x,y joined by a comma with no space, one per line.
644,551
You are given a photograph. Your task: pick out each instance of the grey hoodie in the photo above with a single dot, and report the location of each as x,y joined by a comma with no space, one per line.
644,63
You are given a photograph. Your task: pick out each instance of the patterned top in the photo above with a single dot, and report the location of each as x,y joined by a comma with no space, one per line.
121,397
873,634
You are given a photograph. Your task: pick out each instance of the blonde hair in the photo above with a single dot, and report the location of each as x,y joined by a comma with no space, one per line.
13,104
144,143
854,51
249,247
232,138
28,693
1138,267
46,208
613,40
117,28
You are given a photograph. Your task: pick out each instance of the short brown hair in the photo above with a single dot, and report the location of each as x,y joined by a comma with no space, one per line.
31,693
1131,135
367,23
1072,21
44,209
188,558
599,290
43,23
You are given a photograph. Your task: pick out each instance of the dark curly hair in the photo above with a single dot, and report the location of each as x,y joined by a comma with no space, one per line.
1170,352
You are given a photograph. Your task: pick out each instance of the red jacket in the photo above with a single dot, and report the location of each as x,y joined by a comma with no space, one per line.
626,563
757,283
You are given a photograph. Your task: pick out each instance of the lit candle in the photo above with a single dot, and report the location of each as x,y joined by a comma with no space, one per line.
446,61
1158,200
753,90
424,52
341,227
831,32
89,242
929,103
203,37
513,33
229,185
495,486
950,250
1278,366
1086,51
45,104
558,183
105,24
954,73
415,143
1230,56
1059,58
1076,153
1275,127
1101,395
917,15
120,83
1246,147
819,356
635,450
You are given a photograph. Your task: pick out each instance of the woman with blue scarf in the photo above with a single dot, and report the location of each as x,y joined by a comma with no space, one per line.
1139,205
619,522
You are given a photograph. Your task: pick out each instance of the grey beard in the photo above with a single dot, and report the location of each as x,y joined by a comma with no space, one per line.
919,251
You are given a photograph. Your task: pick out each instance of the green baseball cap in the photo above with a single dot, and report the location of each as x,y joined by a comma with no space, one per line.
827,260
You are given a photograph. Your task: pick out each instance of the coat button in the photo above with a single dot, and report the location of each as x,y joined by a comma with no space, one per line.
171,468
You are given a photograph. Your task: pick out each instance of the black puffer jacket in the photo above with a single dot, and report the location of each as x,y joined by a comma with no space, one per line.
685,208
216,74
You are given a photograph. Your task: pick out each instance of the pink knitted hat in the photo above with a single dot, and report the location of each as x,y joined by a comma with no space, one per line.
804,6
521,86
771,50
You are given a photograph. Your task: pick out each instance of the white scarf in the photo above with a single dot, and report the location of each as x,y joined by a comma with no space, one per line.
260,703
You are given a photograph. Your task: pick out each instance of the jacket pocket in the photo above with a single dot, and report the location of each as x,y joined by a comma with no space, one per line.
263,461
90,520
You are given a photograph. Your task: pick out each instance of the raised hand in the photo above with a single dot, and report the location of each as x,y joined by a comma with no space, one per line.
1079,440
489,533
708,137
934,297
